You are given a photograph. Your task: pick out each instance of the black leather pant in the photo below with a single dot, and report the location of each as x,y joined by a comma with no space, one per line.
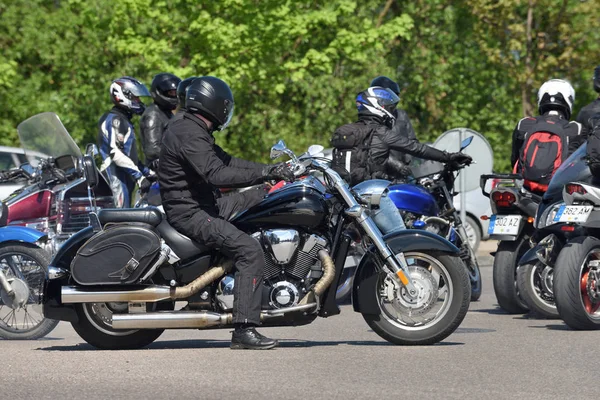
215,231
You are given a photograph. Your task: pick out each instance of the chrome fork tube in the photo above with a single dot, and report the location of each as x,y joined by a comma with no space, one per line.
6,285
398,265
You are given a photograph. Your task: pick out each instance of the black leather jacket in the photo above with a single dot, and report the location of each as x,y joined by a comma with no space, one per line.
152,125
586,113
573,132
192,167
403,127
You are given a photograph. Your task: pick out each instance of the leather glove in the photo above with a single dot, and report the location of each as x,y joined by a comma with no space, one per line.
459,159
278,172
144,184
154,165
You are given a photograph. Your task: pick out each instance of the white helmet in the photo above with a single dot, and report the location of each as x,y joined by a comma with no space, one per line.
556,95
125,92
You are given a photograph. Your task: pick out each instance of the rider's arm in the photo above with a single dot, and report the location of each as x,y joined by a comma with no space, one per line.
120,150
234,162
413,147
200,154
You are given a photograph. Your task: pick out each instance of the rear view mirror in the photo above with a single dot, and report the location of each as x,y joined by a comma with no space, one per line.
91,150
465,143
27,168
90,171
278,149
315,149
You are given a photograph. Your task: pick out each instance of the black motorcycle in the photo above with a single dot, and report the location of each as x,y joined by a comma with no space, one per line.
117,282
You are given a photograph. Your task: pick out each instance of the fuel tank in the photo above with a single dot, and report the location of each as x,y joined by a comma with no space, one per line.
414,199
296,206
31,203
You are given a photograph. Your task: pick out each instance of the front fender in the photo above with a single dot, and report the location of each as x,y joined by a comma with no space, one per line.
530,256
364,291
20,234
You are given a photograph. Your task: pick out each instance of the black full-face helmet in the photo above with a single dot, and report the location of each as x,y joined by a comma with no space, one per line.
183,85
212,98
164,90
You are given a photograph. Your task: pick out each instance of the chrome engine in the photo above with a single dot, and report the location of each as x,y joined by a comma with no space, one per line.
291,265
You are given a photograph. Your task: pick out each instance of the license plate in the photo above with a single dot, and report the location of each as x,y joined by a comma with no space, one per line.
505,225
573,213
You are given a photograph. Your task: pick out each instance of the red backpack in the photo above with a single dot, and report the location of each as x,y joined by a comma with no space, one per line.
544,149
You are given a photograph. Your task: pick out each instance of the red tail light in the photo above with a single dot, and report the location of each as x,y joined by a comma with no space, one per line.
572,188
495,183
504,199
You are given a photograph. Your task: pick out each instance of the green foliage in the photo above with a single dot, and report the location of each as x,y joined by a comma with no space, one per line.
296,66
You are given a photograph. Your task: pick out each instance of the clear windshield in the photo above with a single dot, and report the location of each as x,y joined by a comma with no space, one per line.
43,135
575,168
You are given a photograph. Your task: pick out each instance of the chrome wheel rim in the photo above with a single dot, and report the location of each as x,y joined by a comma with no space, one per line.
542,281
28,272
100,316
589,281
435,293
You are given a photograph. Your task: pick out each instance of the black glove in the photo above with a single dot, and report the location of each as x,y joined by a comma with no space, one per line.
144,184
153,165
278,172
459,159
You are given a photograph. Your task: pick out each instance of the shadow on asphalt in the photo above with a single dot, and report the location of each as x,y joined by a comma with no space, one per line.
494,311
215,344
562,327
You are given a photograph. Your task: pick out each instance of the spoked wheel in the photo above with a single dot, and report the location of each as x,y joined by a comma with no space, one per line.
95,326
440,306
576,283
536,288
21,316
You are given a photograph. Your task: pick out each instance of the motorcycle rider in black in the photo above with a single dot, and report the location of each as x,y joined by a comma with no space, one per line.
183,85
156,116
375,130
555,104
191,168
402,126
591,109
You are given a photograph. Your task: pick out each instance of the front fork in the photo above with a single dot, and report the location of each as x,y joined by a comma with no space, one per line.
5,285
397,263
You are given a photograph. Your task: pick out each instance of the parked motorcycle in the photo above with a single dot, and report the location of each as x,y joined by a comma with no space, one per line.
429,206
514,209
36,220
117,282
576,273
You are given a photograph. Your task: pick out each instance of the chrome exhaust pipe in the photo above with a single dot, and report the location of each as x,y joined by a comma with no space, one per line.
150,294
171,320
190,319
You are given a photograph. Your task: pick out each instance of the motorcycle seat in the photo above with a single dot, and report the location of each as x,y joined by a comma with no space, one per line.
150,215
183,246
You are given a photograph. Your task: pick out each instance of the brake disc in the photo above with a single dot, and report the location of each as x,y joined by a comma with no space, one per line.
427,293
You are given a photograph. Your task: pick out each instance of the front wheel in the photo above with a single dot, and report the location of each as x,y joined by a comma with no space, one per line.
442,302
576,283
535,284
24,266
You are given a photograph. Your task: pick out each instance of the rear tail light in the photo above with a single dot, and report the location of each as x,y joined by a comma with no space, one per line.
495,183
572,188
504,199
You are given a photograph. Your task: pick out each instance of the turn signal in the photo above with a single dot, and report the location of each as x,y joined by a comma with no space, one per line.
573,188
504,199
484,218
530,220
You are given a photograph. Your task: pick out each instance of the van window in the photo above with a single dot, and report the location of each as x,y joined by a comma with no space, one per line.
6,161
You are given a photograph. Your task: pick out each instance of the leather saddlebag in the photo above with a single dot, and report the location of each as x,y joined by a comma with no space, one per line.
120,254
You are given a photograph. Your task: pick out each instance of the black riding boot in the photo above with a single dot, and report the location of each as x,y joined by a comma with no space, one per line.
245,336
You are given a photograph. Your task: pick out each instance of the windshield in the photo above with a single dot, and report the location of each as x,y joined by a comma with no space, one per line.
43,135
575,168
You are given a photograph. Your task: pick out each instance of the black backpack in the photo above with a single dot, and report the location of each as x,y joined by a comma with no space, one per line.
351,145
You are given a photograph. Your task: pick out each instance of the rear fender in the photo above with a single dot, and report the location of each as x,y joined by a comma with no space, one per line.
364,291
52,304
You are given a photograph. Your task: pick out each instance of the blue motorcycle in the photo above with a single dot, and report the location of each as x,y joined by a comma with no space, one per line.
23,269
428,205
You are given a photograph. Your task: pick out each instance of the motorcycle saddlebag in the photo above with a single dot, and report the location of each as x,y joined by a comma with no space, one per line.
120,254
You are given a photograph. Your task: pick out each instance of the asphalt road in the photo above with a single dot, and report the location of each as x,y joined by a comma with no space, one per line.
491,355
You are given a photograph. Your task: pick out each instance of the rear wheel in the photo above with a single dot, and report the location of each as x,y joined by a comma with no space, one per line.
577,283
21,317
505,275
442,302
535,285
95,326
